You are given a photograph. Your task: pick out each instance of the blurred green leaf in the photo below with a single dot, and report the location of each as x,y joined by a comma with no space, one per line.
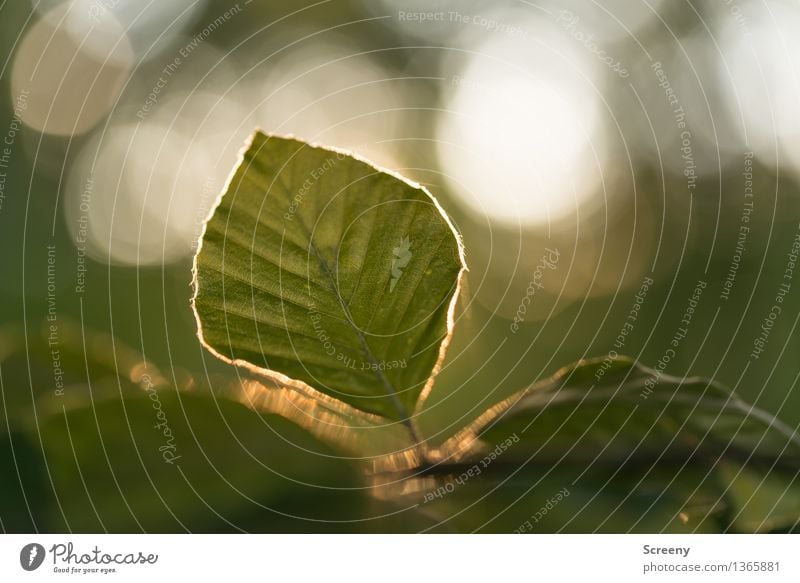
92,458
24,490
538,498
598,411
317,269
618,428
765,498
83,364
167,461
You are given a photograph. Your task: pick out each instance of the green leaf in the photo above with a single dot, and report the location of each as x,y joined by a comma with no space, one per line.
318,270
615,426
23,483
31,368
92,458
765,498
598,411
540,498
165,461
172,461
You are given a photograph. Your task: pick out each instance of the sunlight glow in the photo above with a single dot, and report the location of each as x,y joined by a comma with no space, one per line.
516,141
71,69
762,53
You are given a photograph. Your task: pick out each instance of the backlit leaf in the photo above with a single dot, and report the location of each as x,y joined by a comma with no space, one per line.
320,270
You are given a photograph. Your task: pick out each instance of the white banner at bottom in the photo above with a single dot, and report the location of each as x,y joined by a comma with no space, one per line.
355,558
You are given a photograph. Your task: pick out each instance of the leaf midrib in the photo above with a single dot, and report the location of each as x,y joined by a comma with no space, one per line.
390,390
